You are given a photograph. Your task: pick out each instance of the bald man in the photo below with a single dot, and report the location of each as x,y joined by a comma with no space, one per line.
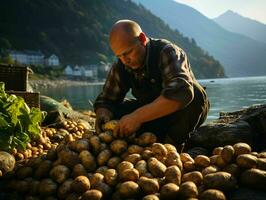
168,100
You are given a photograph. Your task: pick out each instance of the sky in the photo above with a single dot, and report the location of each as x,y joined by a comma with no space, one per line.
254,9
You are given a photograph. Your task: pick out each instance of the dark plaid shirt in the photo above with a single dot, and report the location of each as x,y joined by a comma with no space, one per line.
166,72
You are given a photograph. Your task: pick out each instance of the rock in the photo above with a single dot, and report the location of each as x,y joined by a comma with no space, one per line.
7,162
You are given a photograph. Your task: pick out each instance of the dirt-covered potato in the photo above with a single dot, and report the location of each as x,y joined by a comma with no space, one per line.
170,147
24,172
186,157
146,139
188,190
92,195
105,189
254,178
173,175
60,173
88,160
194,176
246,161
103,157
156,167
217,150
96,178
43,169
135,149
173,158
123,166
106,137
159,150
151,197
147,154
212,194
129,175
141,166
80,184
221,181
189,166
47,187
101,169
220,161
68,157
64,189
95,144
169,191
261,163
111,177
34,187
210,169
110,126
148,185
118,146
133,158
241,148
129,189
228,153
213,159
113,162
233,169
202,161
78,170
79,145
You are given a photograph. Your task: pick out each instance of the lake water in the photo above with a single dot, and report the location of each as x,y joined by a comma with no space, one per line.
228,94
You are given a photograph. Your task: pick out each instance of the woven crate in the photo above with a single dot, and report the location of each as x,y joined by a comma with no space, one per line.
15,77
31,98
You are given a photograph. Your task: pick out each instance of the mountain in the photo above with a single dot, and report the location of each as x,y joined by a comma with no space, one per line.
236,23
77,31
240,55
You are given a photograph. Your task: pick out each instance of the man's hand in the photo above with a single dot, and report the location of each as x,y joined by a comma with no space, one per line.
103,115
127,125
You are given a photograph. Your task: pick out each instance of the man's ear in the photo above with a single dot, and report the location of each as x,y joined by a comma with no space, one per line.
143,38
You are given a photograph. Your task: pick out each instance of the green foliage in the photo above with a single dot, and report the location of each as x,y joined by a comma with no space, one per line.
18,123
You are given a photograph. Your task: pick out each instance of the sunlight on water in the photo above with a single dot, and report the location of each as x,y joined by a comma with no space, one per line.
229,94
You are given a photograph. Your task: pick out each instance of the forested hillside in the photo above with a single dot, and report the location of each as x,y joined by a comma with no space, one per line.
77,31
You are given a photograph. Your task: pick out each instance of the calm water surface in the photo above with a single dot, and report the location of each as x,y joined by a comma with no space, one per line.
225,94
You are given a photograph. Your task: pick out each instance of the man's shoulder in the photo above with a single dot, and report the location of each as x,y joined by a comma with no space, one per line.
163,43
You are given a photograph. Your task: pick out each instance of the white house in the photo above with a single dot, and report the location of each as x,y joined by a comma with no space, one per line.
27,57
68,70
52,60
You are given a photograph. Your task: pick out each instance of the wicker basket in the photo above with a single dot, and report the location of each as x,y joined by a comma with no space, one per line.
31,98
15,77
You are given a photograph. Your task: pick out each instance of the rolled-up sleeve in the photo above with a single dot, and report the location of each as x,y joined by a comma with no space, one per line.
114,89
176,74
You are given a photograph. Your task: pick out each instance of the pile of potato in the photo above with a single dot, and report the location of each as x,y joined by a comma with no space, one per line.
91,166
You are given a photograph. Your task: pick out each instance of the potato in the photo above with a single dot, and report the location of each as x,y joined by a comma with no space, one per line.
185,157
110,126
113,162
189,166
246,161
118,146
135,149
79,170
59,173
146,139
254,178
34,187
133,158
173,158
106,137
213,159
72,196
151,197
103,157
87,160
64,189
241,148
21,186
228,153
212,194
96,178
148,185
43,169
92,195
173,175
210,169
262,155
232,169
170,147
156,168
51,155
220,162
104,188
80,184
159,150
101,169
68,157
129,189
188,190
221,181
195,177
141,166
129,175
111,177
261,163
169,191
79,145
123,166
95,144
47,187
24,172
217,150
202,161
147,154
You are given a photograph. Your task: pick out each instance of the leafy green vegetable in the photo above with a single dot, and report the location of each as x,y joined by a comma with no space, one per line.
18,123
